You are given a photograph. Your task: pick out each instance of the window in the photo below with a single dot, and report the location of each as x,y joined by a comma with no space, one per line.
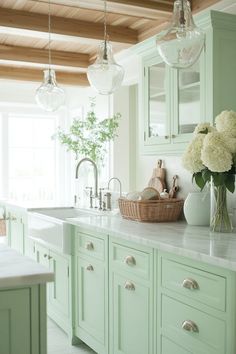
32,164
31,152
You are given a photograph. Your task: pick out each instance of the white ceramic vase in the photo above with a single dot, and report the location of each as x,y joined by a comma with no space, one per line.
197,208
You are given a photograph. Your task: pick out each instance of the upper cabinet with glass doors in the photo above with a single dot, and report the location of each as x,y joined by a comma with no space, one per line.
172,105
175,101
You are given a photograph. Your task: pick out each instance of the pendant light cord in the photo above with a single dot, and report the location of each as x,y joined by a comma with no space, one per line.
105,31
182,18
49,36
105,20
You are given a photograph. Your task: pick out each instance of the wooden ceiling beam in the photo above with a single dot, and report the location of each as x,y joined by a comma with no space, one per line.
136,8
25,74
25,20
40,56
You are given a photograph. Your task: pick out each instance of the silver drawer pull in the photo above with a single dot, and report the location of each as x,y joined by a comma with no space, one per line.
13,218
129,286
89,246
189,283
49,257
130,260
90,268
190,326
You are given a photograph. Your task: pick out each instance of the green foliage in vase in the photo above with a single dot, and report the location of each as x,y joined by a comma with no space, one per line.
89,137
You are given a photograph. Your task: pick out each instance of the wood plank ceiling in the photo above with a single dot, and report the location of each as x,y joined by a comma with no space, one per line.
77,29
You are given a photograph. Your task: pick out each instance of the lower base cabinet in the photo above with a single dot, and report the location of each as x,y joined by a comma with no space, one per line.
91,295
196,312
59,291
23,320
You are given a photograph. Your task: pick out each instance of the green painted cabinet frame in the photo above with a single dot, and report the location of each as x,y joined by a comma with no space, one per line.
23,326
217,82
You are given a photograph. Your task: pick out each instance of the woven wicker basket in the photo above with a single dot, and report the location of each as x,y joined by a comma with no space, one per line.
151,210
3,230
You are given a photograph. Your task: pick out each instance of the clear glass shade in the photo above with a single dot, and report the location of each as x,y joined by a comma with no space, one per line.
105,75
49,96
180,45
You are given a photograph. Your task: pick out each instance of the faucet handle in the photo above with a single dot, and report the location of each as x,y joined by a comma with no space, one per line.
100,198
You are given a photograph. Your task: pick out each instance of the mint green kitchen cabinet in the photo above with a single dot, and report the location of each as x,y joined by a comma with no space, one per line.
131,299
173,102
91,292
59,292
23,320
16,228
196,310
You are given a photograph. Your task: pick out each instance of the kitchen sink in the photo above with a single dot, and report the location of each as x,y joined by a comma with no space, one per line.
50,227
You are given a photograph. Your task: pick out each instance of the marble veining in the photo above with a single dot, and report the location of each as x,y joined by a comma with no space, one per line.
18,270
179,238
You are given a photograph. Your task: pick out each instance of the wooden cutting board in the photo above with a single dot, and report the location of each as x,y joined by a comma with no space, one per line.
157,180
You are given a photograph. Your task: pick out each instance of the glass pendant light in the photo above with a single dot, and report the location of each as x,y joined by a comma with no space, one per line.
180,45
49,95
105,75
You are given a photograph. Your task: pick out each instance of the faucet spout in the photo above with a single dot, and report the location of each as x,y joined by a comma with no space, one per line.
86,159
115,179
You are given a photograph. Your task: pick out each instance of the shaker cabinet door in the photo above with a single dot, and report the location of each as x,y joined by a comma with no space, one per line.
59,290
132,325
91,299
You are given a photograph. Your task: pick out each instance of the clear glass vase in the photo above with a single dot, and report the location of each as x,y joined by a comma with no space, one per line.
220,217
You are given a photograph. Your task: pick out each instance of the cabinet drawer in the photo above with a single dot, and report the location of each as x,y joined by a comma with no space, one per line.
91,245
201,331
199,285
131,260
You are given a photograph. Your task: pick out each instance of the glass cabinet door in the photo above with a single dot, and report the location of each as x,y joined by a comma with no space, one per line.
156,103
188,112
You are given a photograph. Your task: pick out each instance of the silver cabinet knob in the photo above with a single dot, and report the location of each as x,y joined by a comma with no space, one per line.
45,255
173,136
13,218
130,260
90,268
129,286
89,246
166,137
49,257
190,326
191,284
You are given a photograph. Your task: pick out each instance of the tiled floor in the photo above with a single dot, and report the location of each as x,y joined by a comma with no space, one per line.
58,342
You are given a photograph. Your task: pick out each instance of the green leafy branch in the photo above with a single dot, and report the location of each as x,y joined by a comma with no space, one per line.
89,137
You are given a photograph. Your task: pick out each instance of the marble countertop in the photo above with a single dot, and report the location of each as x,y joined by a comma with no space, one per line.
17,270
195,242
29,205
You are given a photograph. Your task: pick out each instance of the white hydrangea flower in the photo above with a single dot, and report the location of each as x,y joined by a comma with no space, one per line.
226,122
224,140
216,158
191,159
229,141
204,128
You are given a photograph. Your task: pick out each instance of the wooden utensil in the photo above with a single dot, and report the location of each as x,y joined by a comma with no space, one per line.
158,178
159,171
174,189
